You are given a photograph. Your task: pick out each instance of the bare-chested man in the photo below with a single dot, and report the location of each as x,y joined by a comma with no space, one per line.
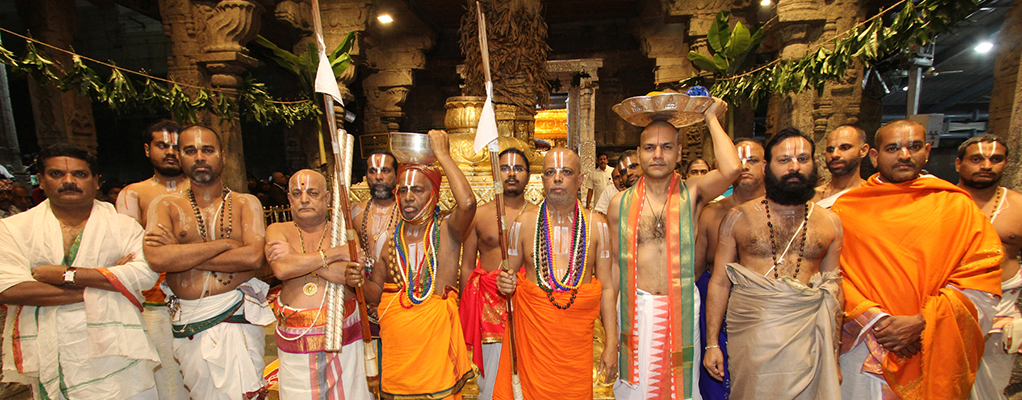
659,302
846,147
783,301
483,308
209,240
160,142
748,186
381,177
424,350
980,163
566,284
301,256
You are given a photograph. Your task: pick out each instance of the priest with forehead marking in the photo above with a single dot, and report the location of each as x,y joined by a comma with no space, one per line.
300,255
566,283
415,283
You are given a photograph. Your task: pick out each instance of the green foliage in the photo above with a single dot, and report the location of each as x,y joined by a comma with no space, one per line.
304,66
730,47
912,26
124,95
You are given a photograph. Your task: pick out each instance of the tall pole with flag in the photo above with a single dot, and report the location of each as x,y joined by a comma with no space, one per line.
342,146
486,136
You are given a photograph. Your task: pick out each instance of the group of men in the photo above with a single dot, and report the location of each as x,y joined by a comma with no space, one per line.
897,286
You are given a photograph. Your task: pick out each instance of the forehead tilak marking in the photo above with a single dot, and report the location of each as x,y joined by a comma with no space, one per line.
744,153
987,149
377,161
168,137
512,159
794,147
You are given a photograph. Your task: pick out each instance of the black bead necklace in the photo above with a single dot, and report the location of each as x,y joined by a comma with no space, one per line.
773,243
225,232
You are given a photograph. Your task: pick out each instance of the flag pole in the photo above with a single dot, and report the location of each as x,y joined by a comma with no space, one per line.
487,126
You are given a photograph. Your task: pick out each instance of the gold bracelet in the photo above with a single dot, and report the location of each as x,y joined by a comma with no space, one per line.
711,347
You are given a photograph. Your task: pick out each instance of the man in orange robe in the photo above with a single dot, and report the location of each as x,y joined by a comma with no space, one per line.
922,275
566,284
414,283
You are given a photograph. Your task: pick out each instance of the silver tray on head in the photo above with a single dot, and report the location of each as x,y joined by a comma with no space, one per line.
678,109
411,148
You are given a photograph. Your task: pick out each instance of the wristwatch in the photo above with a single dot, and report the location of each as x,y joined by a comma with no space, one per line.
69,276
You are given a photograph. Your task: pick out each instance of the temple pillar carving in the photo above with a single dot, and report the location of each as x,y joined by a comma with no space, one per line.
60,117
339,18
208,49
1006,106
581,104
386,89
800,24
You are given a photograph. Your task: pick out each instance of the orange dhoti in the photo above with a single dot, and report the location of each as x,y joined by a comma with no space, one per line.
920,247
554,346
424,355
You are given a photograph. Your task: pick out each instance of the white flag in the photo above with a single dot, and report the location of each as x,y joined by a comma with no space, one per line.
486,131
326,83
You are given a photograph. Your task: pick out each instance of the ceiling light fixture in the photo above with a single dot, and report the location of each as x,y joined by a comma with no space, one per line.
984,47
385,18
765,3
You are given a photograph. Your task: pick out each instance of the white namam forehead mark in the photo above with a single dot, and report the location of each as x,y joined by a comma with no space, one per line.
987,149
744,152
512,158
795,146
377,161
411,178
166,137
558,161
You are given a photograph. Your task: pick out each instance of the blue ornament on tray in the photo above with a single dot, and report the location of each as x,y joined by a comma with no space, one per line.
697,91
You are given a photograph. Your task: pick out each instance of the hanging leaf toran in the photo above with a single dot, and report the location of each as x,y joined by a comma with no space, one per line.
122,94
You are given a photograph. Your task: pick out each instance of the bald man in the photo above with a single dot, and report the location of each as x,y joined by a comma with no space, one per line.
301,256
209,241
921,270
846,147
651,230
565,285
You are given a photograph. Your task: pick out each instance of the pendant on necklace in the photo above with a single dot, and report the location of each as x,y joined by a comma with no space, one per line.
310,289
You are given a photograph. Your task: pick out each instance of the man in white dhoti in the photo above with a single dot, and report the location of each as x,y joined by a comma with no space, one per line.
300,254
846,147
160,144
73,270
209,241
783,301
980,163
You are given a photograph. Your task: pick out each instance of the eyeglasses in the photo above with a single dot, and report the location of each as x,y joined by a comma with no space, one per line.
517,168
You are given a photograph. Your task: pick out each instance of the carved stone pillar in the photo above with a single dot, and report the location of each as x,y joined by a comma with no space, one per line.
800,24
386,89
60,117
581,104
1006,103
208,49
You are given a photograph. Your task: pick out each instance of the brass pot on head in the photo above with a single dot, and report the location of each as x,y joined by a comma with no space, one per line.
411,148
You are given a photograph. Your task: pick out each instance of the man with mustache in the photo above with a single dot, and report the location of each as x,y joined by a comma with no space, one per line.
415,283
300,254
921,268
629,171
72,273
651,230
566,283
783,301
160,142
375,226
846,147
980,163
483,309
209,240
597,182
748,186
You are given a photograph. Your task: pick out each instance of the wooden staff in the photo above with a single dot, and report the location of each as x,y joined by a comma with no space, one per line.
372,373
498,197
